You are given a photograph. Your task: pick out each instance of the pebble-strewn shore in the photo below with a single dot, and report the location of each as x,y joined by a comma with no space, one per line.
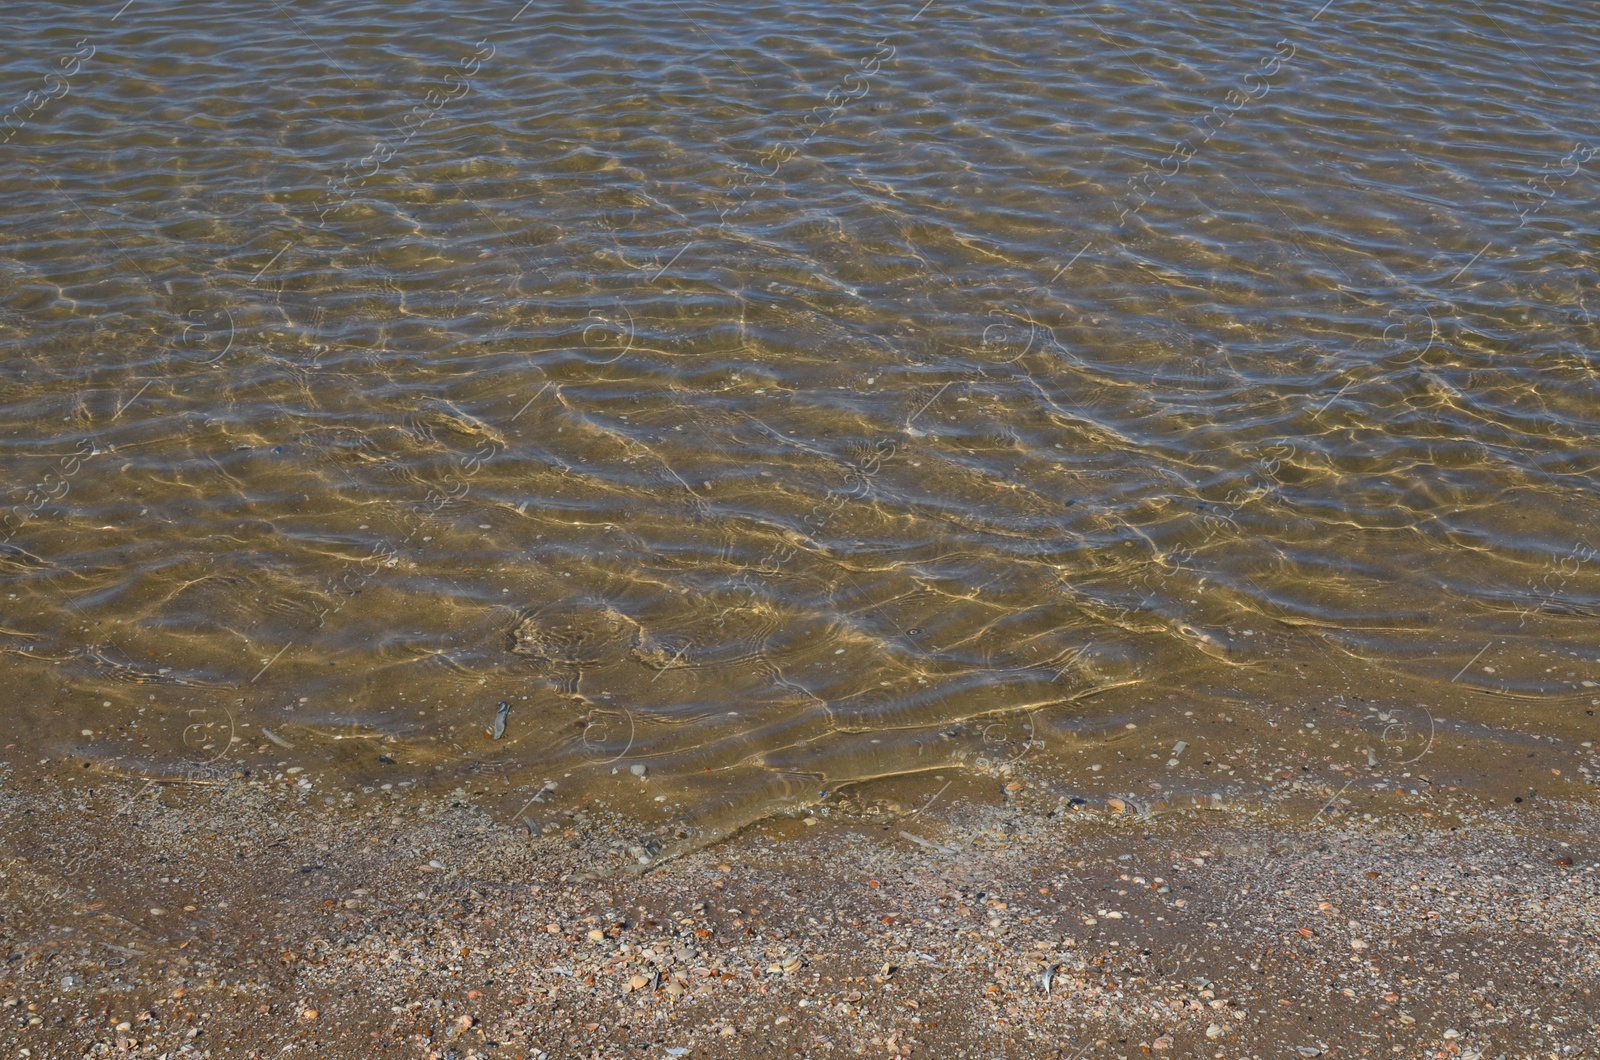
226,921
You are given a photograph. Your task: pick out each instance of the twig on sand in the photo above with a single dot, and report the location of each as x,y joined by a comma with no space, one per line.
275,738
921,842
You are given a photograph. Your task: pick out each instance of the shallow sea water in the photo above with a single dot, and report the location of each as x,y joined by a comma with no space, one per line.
758,401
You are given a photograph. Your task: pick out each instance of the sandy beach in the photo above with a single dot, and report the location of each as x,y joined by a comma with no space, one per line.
921,529
1010,919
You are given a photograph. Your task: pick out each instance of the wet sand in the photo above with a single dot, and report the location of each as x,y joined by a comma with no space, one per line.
1009,917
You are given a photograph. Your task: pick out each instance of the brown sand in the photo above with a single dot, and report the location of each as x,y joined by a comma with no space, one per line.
1007,919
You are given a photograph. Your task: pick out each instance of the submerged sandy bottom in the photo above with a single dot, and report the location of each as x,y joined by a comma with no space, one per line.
1006,919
